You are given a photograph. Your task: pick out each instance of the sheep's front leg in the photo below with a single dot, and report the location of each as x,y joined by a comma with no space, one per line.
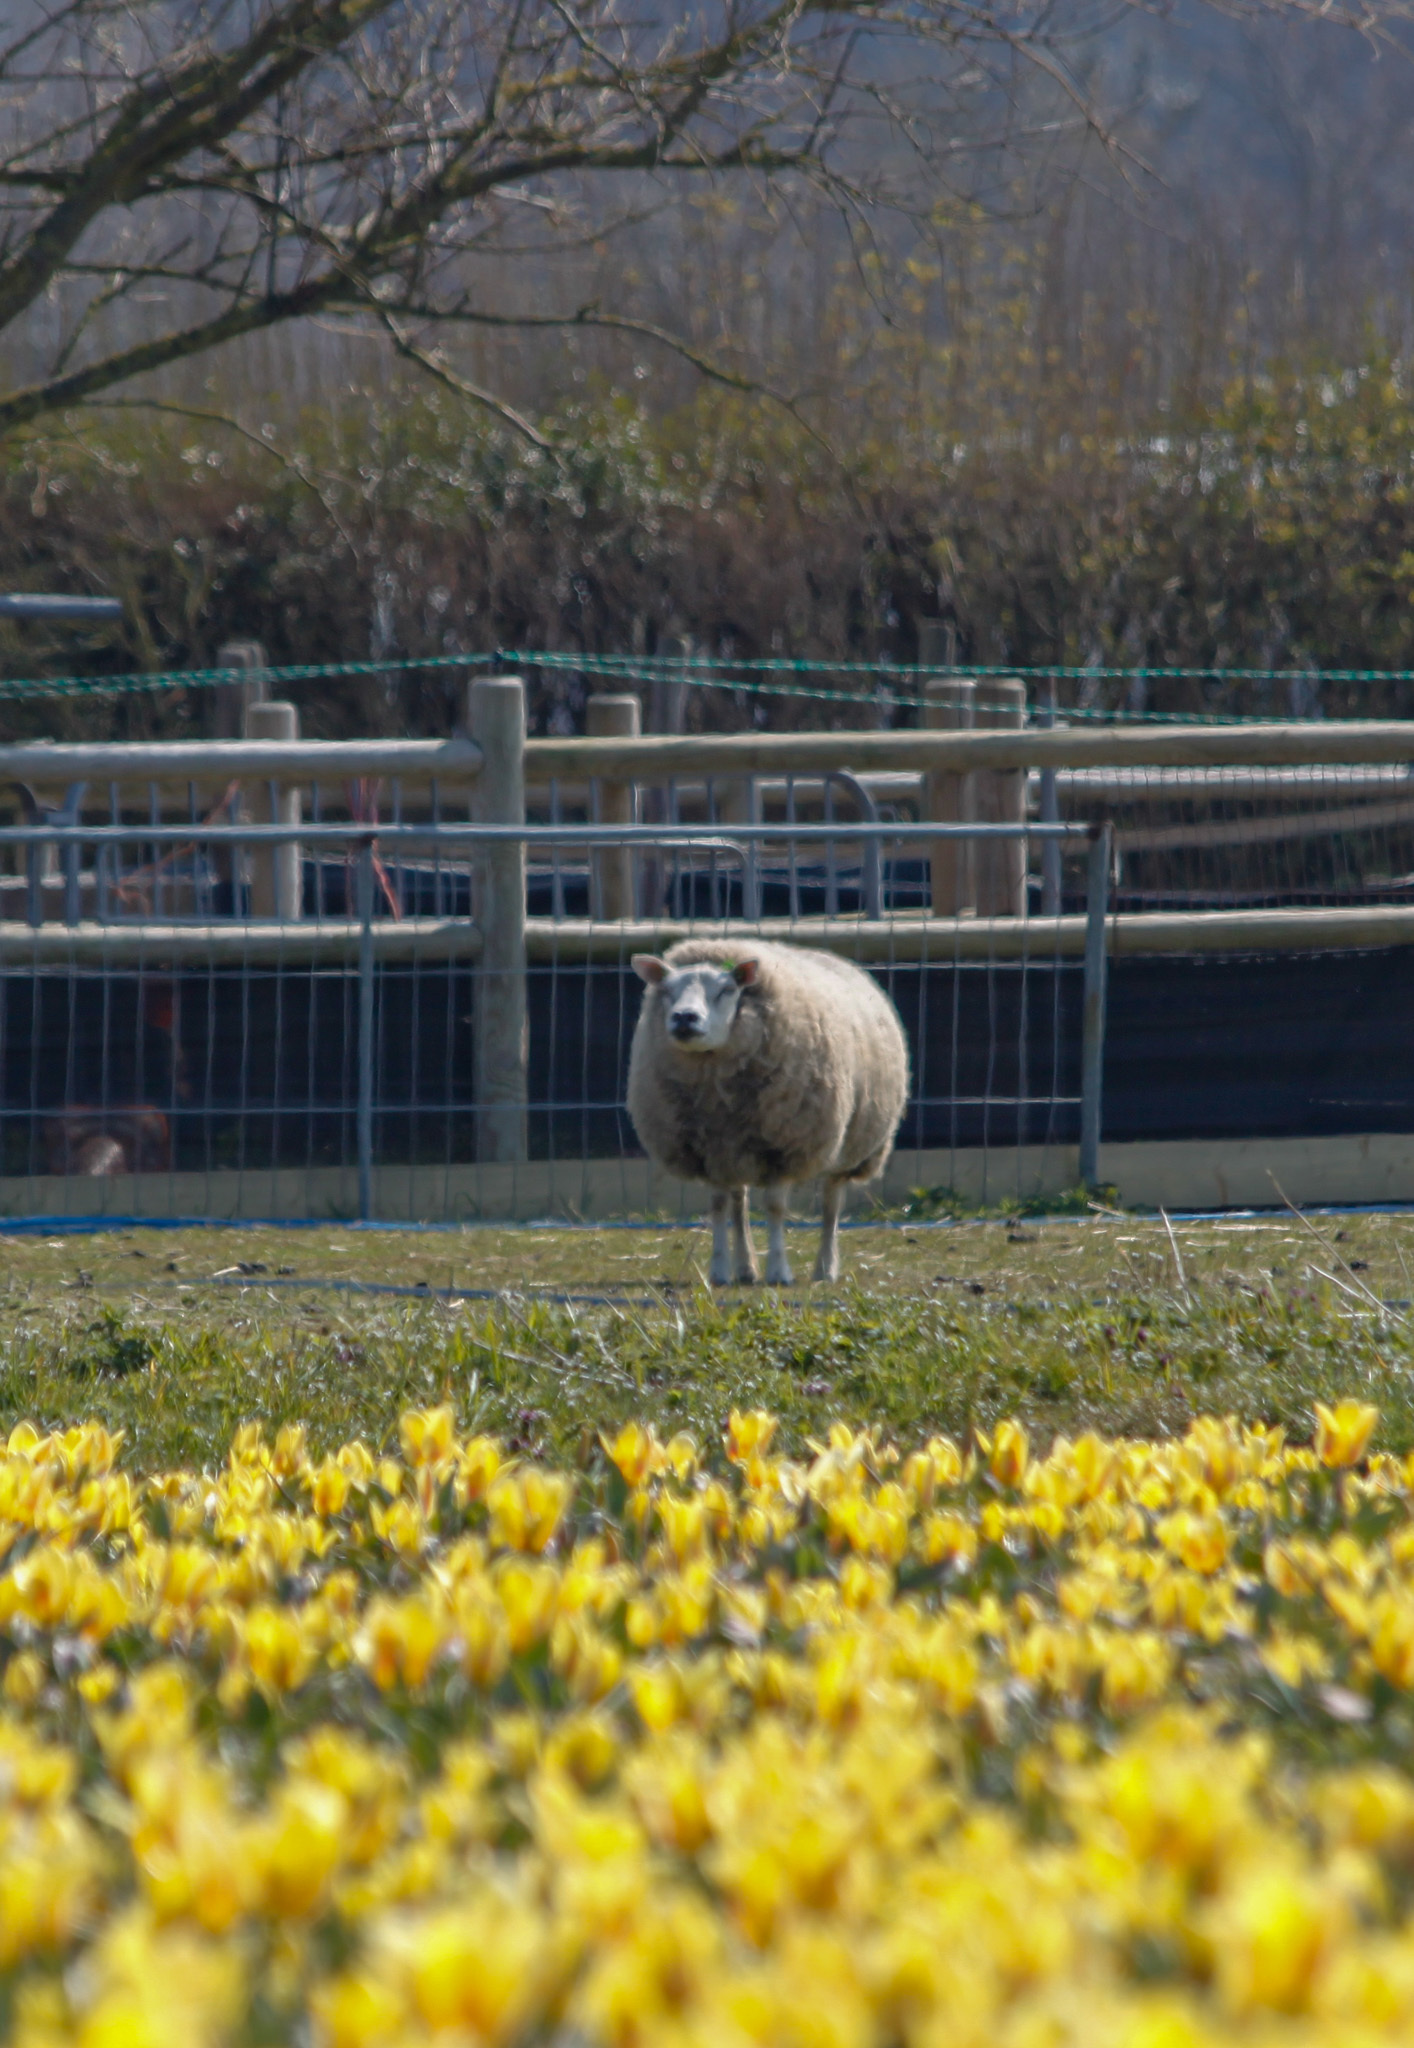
746,1271
778,1272
721,1272
827,1265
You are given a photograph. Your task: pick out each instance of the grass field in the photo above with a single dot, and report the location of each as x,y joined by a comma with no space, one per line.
1011,1647
178,1336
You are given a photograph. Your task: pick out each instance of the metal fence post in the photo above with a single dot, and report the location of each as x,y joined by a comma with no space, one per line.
1092,1054
365,1031
871,869
496,721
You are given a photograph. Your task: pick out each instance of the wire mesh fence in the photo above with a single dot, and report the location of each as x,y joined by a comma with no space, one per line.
403,1048
1223,838
1187,838
288,977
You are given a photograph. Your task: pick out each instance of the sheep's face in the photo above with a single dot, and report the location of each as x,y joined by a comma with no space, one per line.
698,1004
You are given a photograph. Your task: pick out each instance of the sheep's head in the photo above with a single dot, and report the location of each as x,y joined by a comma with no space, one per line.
698,1003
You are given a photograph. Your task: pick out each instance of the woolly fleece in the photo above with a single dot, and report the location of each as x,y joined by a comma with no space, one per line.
813,1079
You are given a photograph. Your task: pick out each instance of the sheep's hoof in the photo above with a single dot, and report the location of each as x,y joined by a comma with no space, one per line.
824,1271
719,1277
779,1276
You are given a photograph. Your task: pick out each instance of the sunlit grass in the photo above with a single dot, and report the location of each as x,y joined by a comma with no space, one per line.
1072,1325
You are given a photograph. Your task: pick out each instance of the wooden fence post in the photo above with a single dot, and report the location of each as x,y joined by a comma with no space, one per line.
1051,871
613,716
667,693
667,712
496,721
950,705
277,872
231,701
999,798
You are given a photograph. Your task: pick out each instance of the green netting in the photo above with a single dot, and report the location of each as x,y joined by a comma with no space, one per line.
899,684
781,676
209,678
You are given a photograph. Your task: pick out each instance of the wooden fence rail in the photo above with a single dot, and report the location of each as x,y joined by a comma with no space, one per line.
660,756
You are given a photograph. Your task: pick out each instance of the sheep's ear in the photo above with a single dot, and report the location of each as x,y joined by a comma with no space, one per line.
744,973
648,967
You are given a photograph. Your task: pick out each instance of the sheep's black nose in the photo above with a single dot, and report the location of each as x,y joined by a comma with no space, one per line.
685,1024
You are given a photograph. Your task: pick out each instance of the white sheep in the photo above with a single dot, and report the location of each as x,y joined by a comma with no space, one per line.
758,1065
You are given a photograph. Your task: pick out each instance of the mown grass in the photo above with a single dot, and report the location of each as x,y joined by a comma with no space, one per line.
1102,1323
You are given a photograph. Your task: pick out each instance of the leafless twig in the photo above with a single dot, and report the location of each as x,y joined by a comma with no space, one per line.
1173,1247
1324,1242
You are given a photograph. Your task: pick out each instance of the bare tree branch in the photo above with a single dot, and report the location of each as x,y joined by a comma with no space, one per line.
180,174
211,416
429,360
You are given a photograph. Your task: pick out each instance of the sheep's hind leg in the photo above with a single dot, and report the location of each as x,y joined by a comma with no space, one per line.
721,1272
827,1265
746,1271
778,1272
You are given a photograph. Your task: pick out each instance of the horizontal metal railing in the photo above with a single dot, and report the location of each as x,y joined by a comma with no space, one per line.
1204,931
453,832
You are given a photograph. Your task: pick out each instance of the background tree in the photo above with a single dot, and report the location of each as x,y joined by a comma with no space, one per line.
178,174
1095,327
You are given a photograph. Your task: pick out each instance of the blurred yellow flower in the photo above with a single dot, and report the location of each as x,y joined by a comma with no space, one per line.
1007,1452
1344,1432
329,1486
749,1434
874,1745
526,1506
305,1841
1271,1933
428,1436
633,1451
273,1645
398,1641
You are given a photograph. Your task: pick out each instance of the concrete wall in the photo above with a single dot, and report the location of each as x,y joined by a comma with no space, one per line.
1198,1174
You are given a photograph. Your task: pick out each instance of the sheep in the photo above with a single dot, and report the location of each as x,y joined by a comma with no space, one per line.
756,1064
97,1143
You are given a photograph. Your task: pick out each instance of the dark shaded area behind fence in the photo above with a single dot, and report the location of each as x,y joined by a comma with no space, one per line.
219,1069
259,1068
